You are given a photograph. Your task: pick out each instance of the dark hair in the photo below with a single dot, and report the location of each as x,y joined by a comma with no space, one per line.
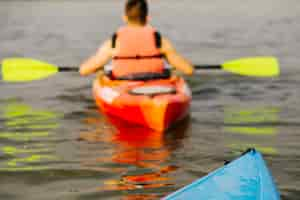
137,11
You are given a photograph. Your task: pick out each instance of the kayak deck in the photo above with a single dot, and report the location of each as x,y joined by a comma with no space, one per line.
246,178
158,112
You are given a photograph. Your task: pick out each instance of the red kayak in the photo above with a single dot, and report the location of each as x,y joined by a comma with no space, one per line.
156,104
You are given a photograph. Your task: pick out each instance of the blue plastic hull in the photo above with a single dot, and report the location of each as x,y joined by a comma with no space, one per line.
246,178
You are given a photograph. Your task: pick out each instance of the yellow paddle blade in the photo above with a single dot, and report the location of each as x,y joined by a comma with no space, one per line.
26,69
256,66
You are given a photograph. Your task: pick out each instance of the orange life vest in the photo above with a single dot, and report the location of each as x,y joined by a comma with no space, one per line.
136,51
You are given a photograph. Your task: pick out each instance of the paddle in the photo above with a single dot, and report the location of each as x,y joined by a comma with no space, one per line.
256,66
27,69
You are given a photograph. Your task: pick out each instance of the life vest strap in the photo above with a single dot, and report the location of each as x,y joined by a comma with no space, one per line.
166,74
137,57
113,40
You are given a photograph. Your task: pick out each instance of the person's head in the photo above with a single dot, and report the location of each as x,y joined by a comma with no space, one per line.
136,11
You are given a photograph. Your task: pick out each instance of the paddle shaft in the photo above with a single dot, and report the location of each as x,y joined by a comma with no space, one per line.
208,67
214,67
68,69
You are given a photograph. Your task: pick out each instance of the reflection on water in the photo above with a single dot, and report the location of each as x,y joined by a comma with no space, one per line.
141,197
247,124
137,155
24,135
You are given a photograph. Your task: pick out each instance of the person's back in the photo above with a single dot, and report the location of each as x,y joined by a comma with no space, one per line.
137,51
136,48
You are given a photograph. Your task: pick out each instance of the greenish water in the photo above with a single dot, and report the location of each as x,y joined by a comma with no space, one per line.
55,144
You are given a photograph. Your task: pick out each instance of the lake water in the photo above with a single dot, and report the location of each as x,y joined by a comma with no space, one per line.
54,143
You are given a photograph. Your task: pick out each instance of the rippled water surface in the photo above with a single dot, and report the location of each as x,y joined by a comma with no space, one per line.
54,144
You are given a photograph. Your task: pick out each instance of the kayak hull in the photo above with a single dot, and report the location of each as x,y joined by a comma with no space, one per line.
157,112
246,178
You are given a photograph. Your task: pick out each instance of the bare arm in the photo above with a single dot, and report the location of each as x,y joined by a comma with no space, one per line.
97,61
175,59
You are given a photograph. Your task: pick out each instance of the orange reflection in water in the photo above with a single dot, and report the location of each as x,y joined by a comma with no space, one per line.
140,147
141,197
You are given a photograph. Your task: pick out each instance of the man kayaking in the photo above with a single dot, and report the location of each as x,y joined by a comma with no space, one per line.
137,48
